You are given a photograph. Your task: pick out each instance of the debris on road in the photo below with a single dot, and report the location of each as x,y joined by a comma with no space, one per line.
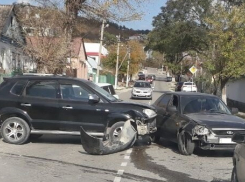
97,146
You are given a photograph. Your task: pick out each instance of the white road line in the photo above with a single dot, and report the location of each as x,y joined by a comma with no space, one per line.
120,172
124,164
126,157
117,179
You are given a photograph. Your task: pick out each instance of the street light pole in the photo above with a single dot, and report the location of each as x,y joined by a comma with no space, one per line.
128,67
116,74
100,49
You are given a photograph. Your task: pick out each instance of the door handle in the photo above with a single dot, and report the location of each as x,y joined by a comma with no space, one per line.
67,107
25,104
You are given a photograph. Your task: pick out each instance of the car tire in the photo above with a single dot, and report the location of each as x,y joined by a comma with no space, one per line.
234,175
185,144
115,131
15,130
155,138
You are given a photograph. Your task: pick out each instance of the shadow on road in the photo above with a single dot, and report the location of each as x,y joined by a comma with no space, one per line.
57,139
199,152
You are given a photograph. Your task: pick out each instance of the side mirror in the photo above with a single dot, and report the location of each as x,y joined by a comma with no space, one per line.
171,109
234,110
239,137
94,98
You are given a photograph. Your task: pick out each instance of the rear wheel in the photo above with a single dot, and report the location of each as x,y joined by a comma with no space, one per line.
185,144
115,131
15,130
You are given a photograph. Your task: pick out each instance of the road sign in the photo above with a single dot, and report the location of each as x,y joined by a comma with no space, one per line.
193,69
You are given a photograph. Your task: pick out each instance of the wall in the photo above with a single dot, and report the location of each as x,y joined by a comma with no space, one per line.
235,92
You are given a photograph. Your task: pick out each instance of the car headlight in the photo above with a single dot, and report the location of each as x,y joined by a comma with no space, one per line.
200,130
149,112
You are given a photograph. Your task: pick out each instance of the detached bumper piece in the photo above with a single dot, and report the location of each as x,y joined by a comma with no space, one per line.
96,146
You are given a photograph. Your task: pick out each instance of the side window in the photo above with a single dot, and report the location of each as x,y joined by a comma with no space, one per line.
164,101
45,89
18,87
174,101
74,92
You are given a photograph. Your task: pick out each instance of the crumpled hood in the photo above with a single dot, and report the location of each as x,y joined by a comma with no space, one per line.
137,104
214,120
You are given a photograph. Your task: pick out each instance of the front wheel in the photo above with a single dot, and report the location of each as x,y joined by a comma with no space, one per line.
185,144
15,130
115,131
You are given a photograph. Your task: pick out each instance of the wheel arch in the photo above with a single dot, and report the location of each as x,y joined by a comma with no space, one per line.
6,113
117,117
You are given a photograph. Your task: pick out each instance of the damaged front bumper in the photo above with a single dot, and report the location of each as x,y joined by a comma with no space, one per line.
97,146
215,142
146,127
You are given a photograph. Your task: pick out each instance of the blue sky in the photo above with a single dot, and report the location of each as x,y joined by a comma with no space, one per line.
149,9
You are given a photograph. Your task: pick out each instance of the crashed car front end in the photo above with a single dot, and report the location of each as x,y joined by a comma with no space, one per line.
146,122
215,138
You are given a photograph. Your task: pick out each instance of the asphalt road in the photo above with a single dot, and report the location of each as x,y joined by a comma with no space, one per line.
62,158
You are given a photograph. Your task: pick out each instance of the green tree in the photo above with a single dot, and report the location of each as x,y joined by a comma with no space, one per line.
179,29
226,56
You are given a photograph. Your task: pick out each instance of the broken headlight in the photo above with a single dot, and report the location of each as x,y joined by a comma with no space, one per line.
149,113
200,130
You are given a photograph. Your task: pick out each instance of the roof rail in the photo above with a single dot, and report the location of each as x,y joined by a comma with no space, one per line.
40,74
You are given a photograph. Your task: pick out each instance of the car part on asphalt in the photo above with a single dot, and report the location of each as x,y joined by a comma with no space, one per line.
97,146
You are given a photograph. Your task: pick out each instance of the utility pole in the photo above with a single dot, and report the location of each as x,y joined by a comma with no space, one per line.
116,74
128,67
100,49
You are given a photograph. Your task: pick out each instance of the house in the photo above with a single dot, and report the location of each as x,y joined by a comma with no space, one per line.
92,50
77,66
12,56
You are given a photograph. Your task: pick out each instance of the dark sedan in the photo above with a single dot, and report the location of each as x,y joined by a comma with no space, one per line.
196,120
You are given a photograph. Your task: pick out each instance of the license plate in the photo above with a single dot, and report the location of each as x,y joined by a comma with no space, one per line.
225,140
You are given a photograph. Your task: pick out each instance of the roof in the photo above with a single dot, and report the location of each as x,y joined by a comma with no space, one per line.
191,94
92,49
5,11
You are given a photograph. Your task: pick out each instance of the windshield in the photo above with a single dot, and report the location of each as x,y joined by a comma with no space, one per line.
102,91
142,84
198,104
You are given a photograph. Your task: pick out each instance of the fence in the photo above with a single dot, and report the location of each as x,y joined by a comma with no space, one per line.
109,78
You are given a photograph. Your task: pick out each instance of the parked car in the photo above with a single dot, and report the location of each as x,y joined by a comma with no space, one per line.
142,89
142,77
109,88
238,174
196,120
149,79
179,86
189,87
60,105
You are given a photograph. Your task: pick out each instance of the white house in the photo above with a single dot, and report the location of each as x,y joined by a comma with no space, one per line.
12,57
92,50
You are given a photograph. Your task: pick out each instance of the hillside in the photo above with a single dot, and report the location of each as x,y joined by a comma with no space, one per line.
90,30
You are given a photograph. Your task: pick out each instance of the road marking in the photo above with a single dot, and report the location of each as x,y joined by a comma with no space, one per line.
126,157
124,164
120,172
117,179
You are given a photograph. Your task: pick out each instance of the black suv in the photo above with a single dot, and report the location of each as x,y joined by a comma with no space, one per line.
37,105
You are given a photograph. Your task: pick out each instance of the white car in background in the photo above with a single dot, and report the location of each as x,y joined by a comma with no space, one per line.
109,88
189,87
